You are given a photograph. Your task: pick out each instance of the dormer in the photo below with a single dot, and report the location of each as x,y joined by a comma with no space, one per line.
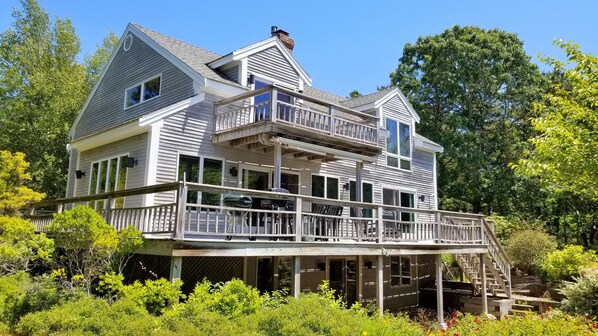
267,62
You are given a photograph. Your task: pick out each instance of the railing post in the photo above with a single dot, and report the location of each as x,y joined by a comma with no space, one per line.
110,204
273,104
482,231
332,121
181,207
438,228
298,218
60,208
380,228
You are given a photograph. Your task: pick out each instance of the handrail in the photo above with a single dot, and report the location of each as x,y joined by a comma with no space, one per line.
491,234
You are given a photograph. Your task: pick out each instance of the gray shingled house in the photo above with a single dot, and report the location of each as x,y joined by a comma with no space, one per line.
236,166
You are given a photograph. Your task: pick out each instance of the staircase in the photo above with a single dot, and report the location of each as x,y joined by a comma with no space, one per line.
496,264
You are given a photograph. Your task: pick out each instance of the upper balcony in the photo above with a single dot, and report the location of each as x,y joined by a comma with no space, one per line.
305,127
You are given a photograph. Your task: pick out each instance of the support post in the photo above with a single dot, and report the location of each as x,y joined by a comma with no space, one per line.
181,211
298,225
439,302
484,291
380,225
296,286
438,228
332,120
176,265
380,283
277,165
273,104
360,279
358,198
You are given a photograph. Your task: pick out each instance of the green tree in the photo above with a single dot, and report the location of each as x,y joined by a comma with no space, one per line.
20,245
14,195
42,88
565,149
89,245
473,89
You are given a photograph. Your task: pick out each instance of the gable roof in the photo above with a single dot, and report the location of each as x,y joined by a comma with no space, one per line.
322,95
376,99
366,99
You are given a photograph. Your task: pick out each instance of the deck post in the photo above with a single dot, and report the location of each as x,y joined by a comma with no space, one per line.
380,283
332,121
298,225
110,205
273,104
380,225
296,279
484,291
181,209
438,228
439,302
59,208
277,165
358,198
176,264
360,279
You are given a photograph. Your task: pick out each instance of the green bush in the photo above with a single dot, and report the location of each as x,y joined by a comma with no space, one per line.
528,248
581,296
20,245
567,263
552,323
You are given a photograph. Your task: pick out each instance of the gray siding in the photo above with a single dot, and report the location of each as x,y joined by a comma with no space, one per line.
232,72
70,184
135,146
272,63
141,62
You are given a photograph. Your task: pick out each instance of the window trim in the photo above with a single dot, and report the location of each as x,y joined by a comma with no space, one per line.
326,176
398,156
201,159
401,190
401,276
270,171
141,95
108,159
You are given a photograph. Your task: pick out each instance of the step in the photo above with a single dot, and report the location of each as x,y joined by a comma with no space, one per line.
522,307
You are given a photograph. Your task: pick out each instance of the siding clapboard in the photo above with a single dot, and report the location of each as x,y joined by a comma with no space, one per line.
128,68
273,64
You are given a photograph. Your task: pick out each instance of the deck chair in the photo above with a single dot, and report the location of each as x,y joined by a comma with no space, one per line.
317,222
333,222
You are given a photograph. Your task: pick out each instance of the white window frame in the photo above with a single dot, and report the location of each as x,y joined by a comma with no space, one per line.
398,156
142,84
201,159
401,190
326,177
108,159
270,172
401,276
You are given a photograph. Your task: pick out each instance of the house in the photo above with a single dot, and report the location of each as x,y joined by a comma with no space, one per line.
237,166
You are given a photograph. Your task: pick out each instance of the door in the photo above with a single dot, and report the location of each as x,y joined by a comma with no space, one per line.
255,179
343,279
265,275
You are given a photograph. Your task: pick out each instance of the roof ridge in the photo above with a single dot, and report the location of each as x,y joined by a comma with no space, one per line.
371,94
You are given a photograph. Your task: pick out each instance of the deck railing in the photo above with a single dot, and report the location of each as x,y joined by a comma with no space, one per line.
304,218
305,112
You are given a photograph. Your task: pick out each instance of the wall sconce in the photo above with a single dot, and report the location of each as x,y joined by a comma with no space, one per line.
79,174
422,198
368,264
233,171
321,266
251,79
131,162
346,186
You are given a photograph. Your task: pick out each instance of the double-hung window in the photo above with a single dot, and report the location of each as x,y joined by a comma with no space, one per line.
400,271
324,186
201,170
108,175
143,91
367,196
398,144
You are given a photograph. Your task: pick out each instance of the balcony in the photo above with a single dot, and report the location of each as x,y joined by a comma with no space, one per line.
306,127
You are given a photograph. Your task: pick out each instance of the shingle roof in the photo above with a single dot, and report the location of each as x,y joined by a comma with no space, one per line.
367,99
322,95
195,57
424,139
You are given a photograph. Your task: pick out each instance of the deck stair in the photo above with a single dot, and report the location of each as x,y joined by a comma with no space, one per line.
496,262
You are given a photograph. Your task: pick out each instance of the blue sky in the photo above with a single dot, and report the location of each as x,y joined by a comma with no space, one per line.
343,45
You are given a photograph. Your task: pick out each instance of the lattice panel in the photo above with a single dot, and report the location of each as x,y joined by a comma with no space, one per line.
215,269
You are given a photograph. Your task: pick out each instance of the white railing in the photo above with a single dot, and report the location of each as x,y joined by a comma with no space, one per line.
317,116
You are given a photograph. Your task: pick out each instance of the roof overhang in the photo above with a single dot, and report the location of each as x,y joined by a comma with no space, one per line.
321,150
426,145
245,52
381,101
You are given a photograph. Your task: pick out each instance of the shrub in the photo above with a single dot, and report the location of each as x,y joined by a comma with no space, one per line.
581,296
20,245
568,262
528,248
13,177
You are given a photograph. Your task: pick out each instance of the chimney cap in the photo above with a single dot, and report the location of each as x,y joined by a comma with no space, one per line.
275,31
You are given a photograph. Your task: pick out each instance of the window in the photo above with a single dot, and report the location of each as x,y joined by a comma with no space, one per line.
142,92
201,170
324,186
261,103
367,196
400,271
108,175
398,144
402,199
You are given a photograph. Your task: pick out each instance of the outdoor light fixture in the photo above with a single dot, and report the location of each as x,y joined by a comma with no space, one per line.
368,264
321,266
79,174
233,171
422,198
131,162
251,79
346,186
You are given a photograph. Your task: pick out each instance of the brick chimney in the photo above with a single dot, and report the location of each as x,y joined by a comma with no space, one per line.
283,36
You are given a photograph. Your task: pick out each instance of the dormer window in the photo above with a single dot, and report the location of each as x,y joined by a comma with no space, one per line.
398,144
143,91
